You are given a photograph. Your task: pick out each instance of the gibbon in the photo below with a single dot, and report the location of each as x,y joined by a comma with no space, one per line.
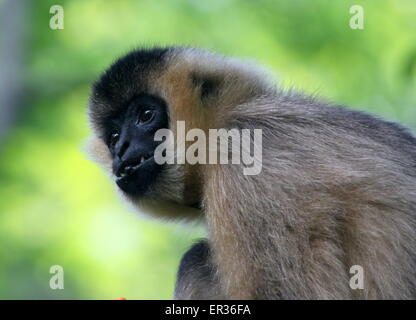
337,187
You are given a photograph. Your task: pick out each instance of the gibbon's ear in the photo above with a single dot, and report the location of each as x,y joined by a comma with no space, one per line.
222,82
208,85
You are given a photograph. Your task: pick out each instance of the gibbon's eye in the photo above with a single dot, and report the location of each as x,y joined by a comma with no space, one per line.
114,138
145,116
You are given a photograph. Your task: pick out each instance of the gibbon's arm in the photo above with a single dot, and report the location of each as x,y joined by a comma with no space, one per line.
197,277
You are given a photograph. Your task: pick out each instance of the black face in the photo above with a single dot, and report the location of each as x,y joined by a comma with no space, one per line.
130,138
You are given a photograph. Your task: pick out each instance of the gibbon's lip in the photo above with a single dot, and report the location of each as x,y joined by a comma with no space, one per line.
126,170
139,176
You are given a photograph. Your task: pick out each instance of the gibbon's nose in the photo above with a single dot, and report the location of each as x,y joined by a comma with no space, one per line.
121,150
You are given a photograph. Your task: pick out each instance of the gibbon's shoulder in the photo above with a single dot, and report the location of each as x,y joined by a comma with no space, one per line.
297,108
374,127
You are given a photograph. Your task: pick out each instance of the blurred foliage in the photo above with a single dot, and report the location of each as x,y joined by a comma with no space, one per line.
56,207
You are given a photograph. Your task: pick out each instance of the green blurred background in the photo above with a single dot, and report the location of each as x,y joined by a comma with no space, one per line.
56,207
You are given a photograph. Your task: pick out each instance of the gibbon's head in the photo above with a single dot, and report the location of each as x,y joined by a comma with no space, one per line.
151,89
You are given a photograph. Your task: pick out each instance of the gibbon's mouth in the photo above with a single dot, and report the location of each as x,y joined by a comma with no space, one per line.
135,177
131,167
